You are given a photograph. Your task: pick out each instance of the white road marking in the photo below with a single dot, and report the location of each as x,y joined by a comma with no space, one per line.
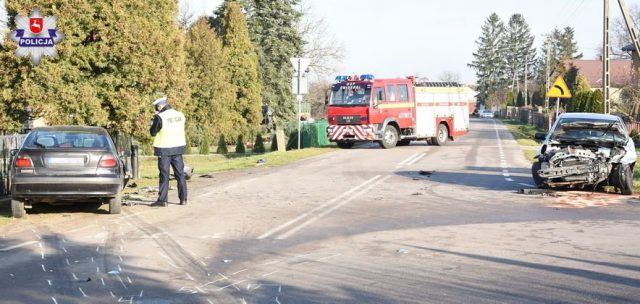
103,284
415,160
526,185
49,282
406,160
18,246
54,300
304,215
317,217
82,291
43,269
503,162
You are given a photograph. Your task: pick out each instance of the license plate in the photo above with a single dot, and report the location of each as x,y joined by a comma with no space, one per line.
349,119
65,161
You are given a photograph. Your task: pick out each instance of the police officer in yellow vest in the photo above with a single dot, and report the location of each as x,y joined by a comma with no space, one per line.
168,145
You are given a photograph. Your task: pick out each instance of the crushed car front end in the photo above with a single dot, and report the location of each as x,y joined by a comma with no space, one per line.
586,150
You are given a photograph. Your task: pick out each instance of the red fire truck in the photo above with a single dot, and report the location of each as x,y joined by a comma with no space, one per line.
396,111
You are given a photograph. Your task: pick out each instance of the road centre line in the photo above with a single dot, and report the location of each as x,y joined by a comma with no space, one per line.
18,246
317,217
329,202
402,163
415,160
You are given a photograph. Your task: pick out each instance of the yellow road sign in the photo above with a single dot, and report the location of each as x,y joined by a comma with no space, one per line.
559,89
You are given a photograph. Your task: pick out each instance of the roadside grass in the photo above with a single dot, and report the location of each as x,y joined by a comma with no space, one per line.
203,164
524,135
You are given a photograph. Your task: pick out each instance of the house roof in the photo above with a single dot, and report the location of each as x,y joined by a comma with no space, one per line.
620,71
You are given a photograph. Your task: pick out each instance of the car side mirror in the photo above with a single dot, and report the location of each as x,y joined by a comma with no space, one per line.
540,136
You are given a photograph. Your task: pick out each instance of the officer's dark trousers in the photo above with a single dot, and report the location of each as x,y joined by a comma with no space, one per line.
177,164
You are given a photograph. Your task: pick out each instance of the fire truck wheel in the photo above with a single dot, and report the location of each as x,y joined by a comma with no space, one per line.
345,144
389,137
442,136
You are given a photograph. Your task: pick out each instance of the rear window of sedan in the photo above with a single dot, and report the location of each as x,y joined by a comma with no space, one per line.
66,139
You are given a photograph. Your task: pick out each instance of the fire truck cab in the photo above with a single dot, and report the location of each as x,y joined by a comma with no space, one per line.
396,111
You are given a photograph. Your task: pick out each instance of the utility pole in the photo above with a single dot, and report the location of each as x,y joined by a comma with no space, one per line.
546,100
605,60
526,64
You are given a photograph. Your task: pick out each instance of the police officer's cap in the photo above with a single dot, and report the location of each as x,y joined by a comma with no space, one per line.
160,101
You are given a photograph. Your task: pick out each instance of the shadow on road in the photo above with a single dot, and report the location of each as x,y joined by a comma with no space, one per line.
495,181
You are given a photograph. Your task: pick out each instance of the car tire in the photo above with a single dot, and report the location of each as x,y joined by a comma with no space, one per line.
442,135
17,209
115,204
537,180
345,144
622,178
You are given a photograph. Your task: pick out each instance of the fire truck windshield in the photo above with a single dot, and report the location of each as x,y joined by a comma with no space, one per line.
351,94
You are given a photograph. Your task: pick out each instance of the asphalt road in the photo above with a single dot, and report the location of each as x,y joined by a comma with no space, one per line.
363,225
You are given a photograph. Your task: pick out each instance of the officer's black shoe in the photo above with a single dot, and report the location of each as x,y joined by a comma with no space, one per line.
159,204
183,203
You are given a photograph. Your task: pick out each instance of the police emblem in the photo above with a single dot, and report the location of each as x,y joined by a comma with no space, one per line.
36,36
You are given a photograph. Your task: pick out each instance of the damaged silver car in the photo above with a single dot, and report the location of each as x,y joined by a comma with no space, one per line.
588,151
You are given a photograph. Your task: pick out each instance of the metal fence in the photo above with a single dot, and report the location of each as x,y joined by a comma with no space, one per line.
528,116
7,143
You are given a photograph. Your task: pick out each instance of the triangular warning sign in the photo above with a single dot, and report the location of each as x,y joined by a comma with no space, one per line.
559,89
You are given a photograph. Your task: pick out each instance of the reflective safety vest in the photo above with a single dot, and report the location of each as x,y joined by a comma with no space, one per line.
171,134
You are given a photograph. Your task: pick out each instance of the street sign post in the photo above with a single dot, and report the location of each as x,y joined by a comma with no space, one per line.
558,90
299,85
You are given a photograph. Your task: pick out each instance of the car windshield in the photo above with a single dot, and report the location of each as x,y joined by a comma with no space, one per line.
351,94
588,129
66,139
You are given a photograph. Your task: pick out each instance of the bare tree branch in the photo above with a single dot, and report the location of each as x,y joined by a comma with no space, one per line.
185,16
449,76
322,48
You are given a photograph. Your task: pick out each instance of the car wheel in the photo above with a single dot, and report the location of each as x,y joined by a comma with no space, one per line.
537,180
622,178
442,135
345,144
389,137
17,209
115,204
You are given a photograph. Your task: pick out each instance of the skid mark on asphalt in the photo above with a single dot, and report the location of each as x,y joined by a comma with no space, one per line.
244,282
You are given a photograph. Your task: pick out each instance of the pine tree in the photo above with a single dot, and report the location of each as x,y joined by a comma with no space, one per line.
258,147
222,145
240,148
520,100
212,97
519,42
489,60
203,149
563,47
273,30
274,143
242,64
